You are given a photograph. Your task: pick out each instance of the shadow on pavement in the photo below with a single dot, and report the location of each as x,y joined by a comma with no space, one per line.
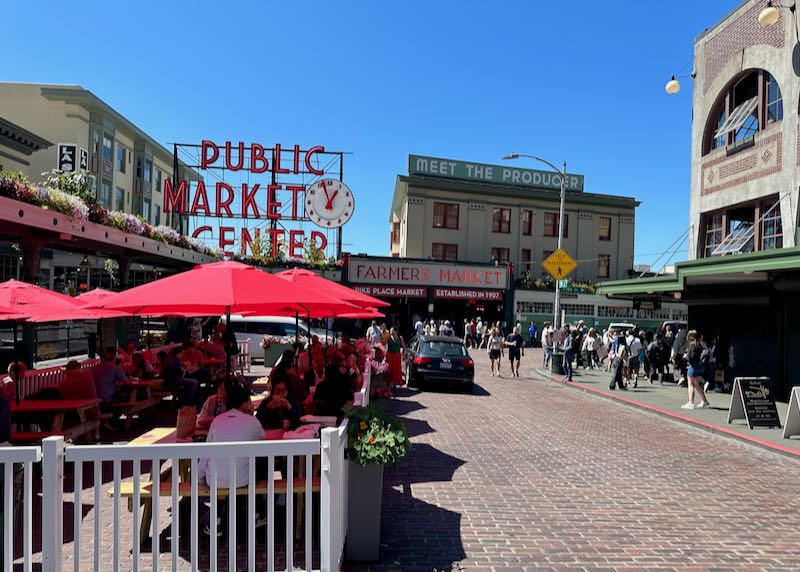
416,427
416,535
404,407
424,464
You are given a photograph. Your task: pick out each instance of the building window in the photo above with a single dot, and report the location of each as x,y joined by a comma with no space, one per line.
441,251
501,220
752,102
525,260
156,181
546,254
445,215
148,170
527,222
146,210
603,265
771,226
105,194
535,308
774,101
500,255
120,199
605,228
121,152
551,225
714,233
396,232
108,148
156,215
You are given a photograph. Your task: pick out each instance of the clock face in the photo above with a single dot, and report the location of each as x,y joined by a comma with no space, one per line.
329,203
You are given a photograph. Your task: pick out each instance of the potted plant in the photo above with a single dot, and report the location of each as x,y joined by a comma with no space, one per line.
374,440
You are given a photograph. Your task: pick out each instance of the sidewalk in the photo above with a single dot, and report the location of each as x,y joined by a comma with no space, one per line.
667,400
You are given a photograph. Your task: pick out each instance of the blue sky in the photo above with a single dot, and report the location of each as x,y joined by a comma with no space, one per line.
581,81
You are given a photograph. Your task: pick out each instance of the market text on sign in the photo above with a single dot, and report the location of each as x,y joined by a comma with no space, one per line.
224,200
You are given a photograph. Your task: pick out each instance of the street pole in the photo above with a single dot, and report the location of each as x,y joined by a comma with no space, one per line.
557,305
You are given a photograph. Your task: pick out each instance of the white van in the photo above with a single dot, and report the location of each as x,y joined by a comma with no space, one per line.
255,328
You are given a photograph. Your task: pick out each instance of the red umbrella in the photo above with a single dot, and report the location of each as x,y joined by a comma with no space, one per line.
28,299
309,279
94,295
219,288
363,314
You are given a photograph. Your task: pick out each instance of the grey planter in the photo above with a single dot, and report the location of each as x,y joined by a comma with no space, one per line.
364,497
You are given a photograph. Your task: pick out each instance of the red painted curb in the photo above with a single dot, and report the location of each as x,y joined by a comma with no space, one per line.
689,420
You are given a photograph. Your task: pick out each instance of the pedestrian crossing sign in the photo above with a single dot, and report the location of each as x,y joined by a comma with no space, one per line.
559,264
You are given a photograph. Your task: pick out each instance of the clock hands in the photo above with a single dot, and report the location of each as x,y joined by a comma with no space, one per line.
329,206
325,188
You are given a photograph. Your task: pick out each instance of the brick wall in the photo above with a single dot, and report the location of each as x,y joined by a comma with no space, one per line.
739,33
720,172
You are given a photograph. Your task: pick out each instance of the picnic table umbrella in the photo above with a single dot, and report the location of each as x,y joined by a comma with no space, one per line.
222,288
313,280
31,303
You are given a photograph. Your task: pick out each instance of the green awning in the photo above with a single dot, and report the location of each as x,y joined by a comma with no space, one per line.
716,269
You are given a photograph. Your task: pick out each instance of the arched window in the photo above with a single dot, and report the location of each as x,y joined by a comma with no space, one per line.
747,105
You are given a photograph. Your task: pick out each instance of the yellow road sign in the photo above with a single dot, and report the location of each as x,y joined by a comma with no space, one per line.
559,264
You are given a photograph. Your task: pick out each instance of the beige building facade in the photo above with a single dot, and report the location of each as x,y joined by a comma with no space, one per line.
128,167
461,211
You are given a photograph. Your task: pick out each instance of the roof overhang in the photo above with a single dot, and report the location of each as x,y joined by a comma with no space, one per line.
15,137
730,270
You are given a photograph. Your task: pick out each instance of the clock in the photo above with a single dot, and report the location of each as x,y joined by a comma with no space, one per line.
329,203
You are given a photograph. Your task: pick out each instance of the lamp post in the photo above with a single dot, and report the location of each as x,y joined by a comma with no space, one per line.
563,176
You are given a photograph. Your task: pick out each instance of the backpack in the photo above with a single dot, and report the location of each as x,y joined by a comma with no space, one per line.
705,357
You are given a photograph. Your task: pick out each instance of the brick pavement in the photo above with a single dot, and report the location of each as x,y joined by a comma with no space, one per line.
529,475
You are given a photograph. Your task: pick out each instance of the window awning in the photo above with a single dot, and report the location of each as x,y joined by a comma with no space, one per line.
737,117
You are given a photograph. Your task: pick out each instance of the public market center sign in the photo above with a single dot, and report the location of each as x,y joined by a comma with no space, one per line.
484,173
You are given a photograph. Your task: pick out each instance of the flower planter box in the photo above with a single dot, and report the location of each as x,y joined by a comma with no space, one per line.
365,494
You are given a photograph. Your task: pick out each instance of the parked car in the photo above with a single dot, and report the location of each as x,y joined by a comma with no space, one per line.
438,359
620,327
255,328
676,326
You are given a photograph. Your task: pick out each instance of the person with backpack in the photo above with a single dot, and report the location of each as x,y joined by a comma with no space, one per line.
697,358
655,357
618,364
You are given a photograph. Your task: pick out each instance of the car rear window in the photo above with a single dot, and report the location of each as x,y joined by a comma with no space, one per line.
445,349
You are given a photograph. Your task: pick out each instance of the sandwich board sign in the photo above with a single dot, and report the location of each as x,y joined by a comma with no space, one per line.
753,401
559,264
792,427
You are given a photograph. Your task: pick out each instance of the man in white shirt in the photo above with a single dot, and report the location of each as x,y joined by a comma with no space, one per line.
419,327
373,333
634,346
236,424
547,343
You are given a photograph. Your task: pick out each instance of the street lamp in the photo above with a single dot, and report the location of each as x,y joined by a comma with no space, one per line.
563,177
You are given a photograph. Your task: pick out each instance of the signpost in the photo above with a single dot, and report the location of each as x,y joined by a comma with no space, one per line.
559,264
792,427
753,401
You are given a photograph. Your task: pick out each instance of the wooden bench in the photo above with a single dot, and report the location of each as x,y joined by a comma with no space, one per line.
126,491
128,408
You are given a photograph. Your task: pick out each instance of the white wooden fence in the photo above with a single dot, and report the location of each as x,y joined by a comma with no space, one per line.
18,502
37,379
293,471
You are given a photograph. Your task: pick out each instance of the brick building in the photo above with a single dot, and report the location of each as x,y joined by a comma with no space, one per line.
741,280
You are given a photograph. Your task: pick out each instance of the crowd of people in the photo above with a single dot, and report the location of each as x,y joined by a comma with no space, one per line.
701,365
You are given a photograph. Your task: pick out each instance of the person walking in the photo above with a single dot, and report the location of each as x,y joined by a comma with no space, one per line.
473,337
618,363
494,346
516,349
634,347
697,359
532,330
590,344
569,343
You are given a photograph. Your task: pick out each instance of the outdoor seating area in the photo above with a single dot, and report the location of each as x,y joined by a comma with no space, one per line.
189,426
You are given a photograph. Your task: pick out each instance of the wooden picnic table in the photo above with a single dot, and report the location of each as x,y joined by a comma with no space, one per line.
59,408
140,398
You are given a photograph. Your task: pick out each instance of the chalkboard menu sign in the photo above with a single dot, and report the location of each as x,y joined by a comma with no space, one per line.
752,400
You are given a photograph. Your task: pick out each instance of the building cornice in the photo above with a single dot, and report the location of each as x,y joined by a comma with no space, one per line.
15,137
